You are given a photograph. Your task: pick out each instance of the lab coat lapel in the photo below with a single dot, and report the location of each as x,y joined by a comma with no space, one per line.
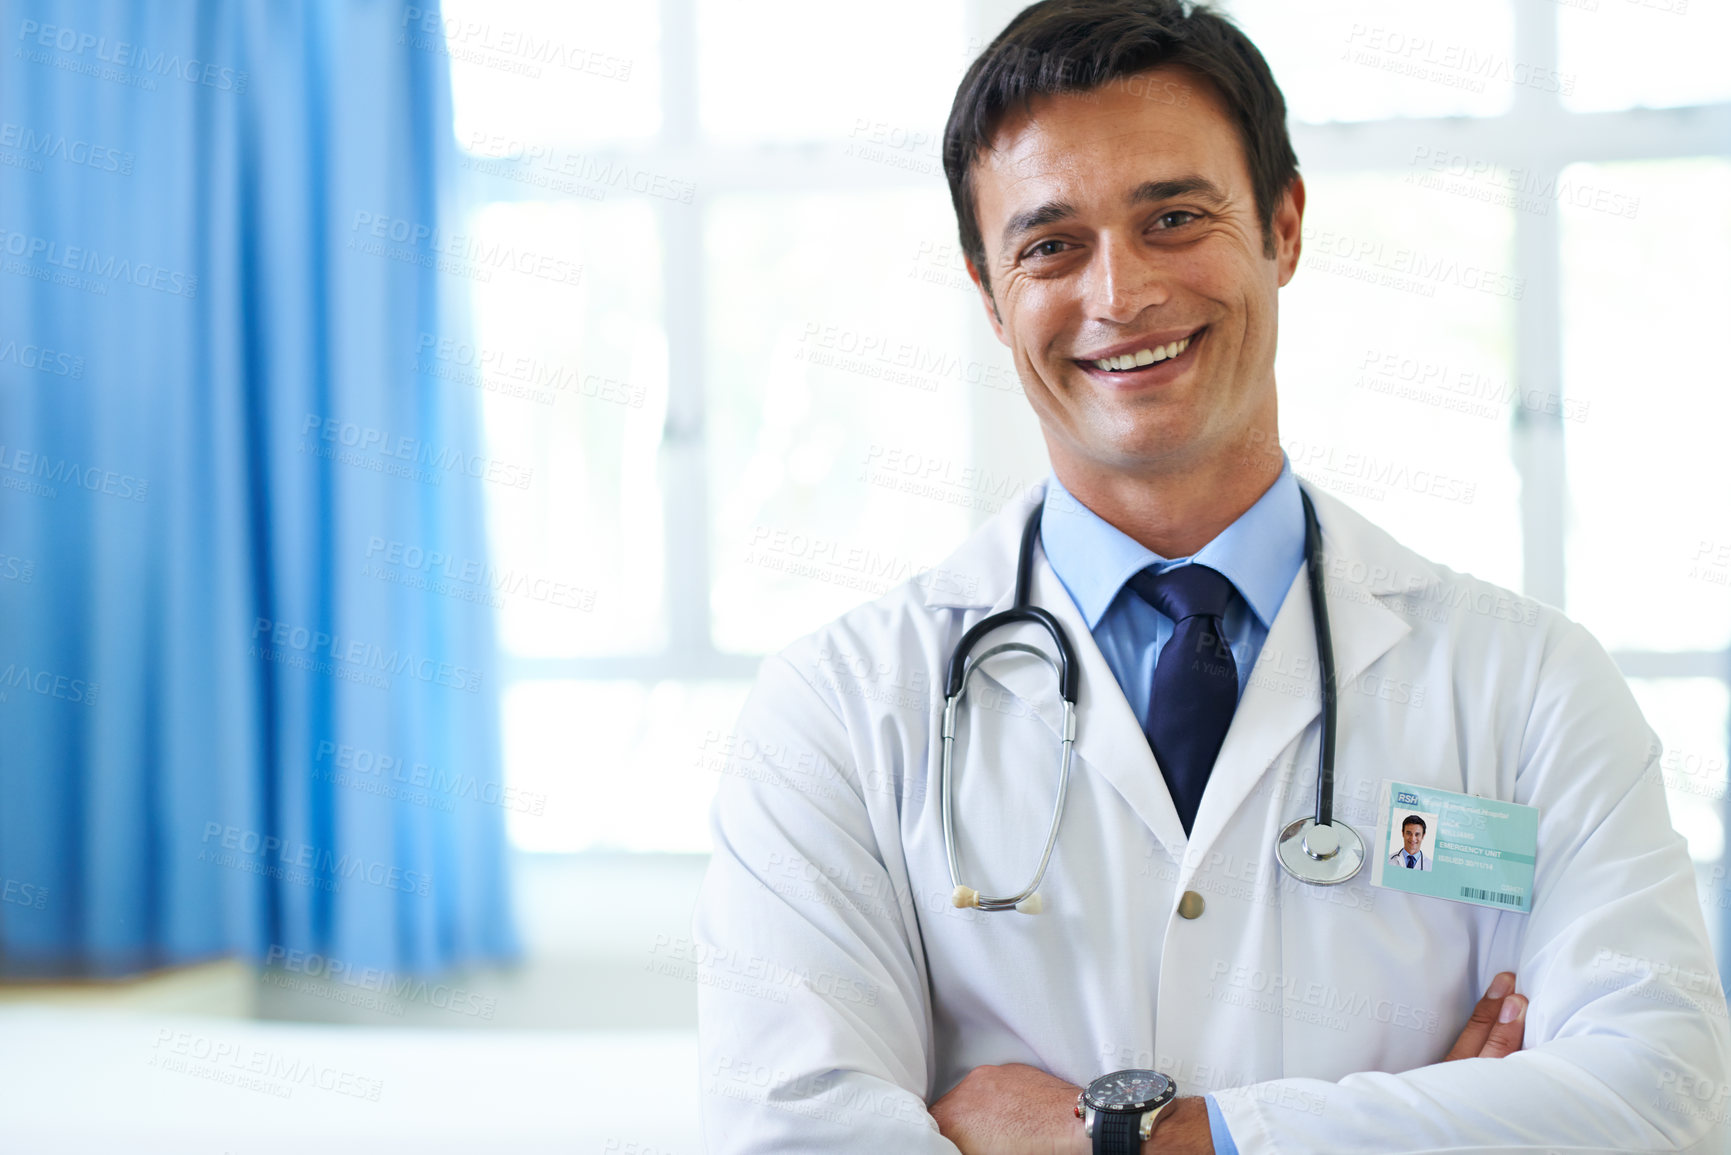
1283,694
1109,740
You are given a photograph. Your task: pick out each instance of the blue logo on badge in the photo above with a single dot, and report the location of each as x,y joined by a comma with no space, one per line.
1403,798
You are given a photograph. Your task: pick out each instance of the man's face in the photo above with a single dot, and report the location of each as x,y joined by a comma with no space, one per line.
1120,220
1413,835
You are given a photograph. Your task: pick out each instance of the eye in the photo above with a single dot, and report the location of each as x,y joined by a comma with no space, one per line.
1045,249
1177,213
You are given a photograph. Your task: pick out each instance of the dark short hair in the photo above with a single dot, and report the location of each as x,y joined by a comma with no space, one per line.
1413,820
1059,46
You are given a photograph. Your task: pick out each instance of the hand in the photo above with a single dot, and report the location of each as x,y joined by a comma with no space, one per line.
1014,1109
1021,1110
1498,1024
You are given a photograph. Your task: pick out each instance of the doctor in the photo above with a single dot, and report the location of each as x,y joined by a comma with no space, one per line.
1129,229
1411,855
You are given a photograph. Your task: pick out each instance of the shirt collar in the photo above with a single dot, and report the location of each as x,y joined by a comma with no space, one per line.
1259,553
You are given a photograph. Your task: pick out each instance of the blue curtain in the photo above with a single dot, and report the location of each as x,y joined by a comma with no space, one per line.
247,680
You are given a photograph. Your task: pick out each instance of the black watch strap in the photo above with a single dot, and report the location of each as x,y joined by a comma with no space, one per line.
1118,1132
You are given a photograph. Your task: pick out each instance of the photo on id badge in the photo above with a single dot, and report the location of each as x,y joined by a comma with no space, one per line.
1414,840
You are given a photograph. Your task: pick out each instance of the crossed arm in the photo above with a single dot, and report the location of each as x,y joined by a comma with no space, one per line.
1021,1110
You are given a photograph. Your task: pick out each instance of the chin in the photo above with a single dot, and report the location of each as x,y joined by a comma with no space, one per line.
1160,445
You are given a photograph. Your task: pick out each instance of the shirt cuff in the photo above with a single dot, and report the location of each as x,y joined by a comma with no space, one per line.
1223,1144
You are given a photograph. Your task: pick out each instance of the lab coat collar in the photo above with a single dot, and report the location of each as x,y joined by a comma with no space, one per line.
1362,562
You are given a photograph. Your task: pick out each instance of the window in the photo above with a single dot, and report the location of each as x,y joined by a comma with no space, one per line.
1507,255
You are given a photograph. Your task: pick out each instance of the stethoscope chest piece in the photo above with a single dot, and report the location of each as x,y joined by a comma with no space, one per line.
1320,855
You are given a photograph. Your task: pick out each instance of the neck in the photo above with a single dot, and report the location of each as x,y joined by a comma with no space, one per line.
1173,513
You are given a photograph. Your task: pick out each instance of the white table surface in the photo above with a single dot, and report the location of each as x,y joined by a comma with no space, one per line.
74,1081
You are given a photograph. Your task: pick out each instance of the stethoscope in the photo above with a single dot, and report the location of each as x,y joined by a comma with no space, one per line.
1316,850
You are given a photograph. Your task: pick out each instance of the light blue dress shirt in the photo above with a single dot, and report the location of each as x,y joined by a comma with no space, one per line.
1260,553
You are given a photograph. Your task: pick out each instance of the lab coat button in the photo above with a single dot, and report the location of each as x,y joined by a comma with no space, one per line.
1190,906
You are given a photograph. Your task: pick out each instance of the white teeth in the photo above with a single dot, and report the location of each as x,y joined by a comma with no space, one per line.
1142,357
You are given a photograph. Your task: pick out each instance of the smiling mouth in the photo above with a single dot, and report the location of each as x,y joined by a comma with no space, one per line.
1143,358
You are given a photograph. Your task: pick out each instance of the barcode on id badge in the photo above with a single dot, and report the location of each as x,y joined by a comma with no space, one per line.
1491,896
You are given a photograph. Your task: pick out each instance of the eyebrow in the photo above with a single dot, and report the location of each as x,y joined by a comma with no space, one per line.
1148,192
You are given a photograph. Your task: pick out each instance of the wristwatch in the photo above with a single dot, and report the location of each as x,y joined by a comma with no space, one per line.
1118,1110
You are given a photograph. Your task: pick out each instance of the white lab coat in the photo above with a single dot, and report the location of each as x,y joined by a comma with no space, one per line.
840,993
1398,858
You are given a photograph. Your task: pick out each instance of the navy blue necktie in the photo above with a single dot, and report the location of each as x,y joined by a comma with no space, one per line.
1195,687
1409,862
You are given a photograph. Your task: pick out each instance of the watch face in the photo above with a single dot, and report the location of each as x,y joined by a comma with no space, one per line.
1133,1090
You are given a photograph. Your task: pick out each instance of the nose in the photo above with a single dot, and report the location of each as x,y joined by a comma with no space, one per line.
1123,279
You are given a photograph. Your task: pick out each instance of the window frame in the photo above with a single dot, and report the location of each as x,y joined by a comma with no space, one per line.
1536,134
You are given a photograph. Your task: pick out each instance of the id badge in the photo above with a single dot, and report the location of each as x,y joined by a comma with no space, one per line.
1456,846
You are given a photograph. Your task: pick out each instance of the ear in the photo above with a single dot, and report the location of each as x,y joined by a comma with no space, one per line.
991,305
1288,226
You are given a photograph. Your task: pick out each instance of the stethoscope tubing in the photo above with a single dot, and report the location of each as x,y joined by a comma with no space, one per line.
1324,661
1068,670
